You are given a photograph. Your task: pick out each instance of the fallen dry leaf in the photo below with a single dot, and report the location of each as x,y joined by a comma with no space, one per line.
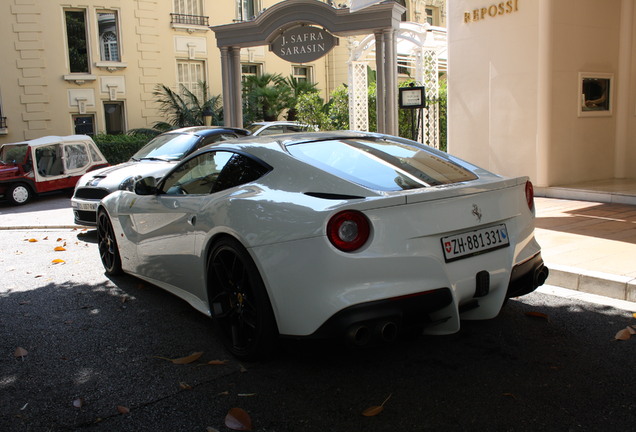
217,362
377,409
78,403
122,409
211,429
185,386
58,261
32,240
20,352
59,249
623,335
631,330
537,315
238,419
46,238
184,360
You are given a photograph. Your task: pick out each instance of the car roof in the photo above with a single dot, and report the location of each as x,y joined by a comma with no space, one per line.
277,122
53,139
208,130
259,144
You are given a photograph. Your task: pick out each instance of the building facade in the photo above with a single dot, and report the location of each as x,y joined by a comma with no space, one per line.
544,88
92,66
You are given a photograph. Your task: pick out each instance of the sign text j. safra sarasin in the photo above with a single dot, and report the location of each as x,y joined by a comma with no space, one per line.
303,44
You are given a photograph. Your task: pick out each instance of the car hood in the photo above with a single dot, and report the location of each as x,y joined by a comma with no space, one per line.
111,177
8,170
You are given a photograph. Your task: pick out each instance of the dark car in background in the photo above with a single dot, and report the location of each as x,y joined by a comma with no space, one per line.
154,159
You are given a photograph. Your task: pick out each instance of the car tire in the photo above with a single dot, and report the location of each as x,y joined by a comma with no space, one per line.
19,194
239,302
107,245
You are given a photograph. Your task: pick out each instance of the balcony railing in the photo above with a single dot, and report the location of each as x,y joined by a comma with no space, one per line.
189,19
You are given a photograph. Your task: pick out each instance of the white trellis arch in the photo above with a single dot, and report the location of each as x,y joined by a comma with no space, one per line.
421,49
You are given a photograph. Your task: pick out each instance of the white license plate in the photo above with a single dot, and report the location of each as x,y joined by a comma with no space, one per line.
86,206
471,243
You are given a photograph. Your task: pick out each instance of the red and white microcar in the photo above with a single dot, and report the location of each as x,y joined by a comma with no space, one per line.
46,164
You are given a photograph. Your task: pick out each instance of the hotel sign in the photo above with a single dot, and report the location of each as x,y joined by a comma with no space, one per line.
303,44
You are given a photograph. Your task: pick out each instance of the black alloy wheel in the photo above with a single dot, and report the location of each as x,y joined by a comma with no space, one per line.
107,245
239,302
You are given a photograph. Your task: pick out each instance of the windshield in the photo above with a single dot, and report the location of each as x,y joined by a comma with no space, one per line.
13,153
167,147
381,165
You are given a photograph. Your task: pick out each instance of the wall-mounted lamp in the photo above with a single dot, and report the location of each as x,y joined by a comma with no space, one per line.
112,92
81,105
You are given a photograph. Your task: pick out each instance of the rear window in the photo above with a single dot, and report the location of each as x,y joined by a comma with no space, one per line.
381,165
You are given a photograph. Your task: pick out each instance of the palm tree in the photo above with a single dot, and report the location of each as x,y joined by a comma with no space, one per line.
186,109
264,97
183,109
297,88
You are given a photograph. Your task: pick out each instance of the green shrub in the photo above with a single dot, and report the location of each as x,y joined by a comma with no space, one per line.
119,148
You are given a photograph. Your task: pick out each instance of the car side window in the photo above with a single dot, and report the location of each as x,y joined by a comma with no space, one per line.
211,172
272,130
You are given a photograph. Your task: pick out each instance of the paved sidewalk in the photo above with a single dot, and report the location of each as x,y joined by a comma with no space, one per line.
588,246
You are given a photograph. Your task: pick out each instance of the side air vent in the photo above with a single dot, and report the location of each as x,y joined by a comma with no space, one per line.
332,196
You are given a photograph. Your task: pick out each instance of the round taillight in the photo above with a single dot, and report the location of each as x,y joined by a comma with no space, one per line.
348,230
530,195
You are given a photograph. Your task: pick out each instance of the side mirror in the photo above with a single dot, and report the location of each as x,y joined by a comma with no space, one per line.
146,186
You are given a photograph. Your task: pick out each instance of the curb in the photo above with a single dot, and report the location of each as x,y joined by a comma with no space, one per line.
47,227
593,282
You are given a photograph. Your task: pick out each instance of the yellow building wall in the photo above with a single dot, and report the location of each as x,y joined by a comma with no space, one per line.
514,88
38,100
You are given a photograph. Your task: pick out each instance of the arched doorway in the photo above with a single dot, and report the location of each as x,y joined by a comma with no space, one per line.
381,20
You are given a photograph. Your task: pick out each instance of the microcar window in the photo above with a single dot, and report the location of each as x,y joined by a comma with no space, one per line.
13,153
76,156
211,172
94,154
48,160
381,165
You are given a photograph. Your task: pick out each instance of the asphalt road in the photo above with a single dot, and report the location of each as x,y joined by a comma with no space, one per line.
98,349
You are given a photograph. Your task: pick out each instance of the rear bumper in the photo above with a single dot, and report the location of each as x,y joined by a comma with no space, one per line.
527,276
364,321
